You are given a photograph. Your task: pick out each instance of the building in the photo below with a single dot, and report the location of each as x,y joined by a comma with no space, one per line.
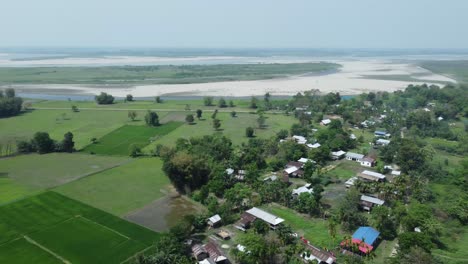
382,142
352,136
314,253
207,261
325,122
229,171
272,220
336,155
223,234
440,118
293,172
305,160
396,173
365,238
199,252
354,156
350,182
296,164
367,202
380,133
368,162
371,176
303,189
215,254
313,146
246,220
214,220
300,139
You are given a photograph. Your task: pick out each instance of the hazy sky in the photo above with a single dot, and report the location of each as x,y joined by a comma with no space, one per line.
235,23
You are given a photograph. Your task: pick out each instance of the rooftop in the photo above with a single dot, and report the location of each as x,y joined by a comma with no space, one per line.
214,219
326,121
291,169
372,200
303,189
366,234
316,145
265,216
338,153
354,155
373,174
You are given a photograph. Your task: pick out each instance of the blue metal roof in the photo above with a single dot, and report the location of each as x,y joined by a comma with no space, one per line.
366,233
380,132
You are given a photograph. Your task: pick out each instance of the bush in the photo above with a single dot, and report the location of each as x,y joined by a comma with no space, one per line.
249,132
129,98
104,98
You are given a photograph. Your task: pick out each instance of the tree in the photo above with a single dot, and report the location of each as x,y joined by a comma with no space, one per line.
167,250
408,240
104,98
282,134
253,103
134,150
43,143
158,100
10,93
267,100
208,101
216,124
10,105
260,251
129,98
132,115
260,227
233,114
67,143
189,119
231,103
222,103
151,118
215,113
75,108
261,121
199,114
249,132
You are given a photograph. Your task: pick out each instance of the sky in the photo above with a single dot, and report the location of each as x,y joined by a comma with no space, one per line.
399,24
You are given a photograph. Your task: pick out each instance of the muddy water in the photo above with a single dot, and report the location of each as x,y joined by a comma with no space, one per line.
163,213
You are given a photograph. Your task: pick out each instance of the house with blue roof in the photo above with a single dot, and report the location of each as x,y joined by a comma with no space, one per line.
365,239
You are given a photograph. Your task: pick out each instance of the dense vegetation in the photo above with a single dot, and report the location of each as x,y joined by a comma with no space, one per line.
157,74
10,104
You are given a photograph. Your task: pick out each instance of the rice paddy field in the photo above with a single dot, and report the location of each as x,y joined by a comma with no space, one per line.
50,224
119,141
122,189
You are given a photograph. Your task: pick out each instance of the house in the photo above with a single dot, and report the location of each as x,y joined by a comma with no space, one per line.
440,118
382,142
368,162
396,173
350,182
240,175
380,133
365,239
325,122
199,252
207,261
295,164
214,220
314,146
336,155
371,176
354,156
314,253
367,202
246,220
272,178
303,189
300,139
229,171
426,109
214,253
272,220
305,160
352,136
293,171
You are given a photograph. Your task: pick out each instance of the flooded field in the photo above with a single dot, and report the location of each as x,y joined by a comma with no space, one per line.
163,213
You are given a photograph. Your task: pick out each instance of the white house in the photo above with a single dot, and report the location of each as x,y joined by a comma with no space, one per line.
337,154
300,139
371,176
214,220
314,146
273,220
354,156
368,162
382,142
325,122
350,182
367,202
303,189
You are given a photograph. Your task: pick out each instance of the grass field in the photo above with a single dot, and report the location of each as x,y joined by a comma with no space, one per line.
119,141
233,128
456,69
121,189
124,75
313,229
27,174
70,229
21,251
84,125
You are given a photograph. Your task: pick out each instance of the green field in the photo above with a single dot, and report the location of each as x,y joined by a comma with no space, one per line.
21,251
125,75
27,174
84,125
233,128
119,141
313,229
70,229
123,189
456,69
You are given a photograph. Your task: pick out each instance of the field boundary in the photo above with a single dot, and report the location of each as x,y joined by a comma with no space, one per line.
105,227
32,241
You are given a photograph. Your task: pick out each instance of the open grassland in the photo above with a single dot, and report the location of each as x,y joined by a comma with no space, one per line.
21,251
122,189
119,141
125,75
233,128
71,230
27,174
84,124
313,229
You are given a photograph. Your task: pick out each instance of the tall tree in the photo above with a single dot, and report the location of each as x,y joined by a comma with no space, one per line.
67,143
152,118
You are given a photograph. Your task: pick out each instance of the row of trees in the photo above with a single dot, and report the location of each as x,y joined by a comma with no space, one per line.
10,104
42,143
